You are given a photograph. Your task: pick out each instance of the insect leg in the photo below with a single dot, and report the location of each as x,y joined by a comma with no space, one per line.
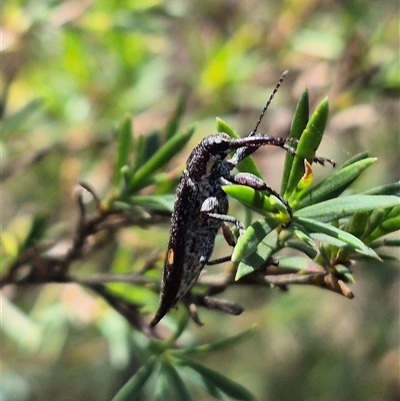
250,180
211,204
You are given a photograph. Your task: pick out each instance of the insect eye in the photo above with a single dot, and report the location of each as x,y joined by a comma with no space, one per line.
219,145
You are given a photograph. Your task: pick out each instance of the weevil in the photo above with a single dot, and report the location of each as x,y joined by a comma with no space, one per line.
201,207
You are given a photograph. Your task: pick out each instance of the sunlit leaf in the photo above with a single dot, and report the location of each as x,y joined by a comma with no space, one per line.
336,183
299,123
308,144
317,227
247,165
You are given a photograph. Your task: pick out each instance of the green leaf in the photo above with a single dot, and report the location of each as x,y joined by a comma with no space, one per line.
158,160
247,165
336,183
388,189
173,123
249,241
161,390
13,122
299,123
374,220
303,248
299,263
124,147
388,226
334,209
354,159
177,383
223,126
343,270
386,242
163,203
358,223
259,256
217,345
268,206
226,385
308,144
316,227
131,389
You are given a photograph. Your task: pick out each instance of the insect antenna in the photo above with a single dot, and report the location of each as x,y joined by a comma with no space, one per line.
269,102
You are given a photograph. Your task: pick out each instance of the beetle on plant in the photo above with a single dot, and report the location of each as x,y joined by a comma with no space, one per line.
201,206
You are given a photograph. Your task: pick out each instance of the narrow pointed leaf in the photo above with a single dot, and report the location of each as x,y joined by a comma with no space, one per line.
247,165
268,206
302,264
164,203
308,144
314,226
388,189
334,209
226,385
173,123
131,390
14,121
248,242
217,345
299,123
259,257
336,183
161,389
354,159
159,159
177,383
375,219
124,147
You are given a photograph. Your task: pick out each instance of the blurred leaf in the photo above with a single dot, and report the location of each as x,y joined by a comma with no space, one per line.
173,122
299,263
162,385
229,387
354,159
132,388
124,148
162,203
217,345
176,382
14,121
163,155
151,145
388,189
345,272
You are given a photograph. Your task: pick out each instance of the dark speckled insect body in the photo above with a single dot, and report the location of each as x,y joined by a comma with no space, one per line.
201,206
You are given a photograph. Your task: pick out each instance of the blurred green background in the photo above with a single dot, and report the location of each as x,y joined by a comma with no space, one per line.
71,70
